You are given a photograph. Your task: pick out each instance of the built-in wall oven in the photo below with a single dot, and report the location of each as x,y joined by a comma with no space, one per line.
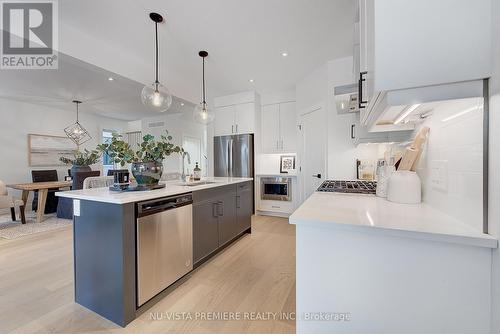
276,188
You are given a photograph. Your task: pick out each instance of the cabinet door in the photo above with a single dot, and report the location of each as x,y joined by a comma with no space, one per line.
205,229
224,121
228,224
288,127
270,128
244,118
244,205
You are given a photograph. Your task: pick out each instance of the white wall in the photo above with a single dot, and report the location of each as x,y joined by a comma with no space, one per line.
19,119
341,151
494,165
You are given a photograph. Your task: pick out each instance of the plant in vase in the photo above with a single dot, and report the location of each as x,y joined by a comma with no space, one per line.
81,160
147,161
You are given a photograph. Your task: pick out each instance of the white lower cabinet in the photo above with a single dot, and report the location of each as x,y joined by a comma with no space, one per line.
279,128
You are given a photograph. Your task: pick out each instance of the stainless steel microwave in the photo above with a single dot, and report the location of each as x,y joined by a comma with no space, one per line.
276,188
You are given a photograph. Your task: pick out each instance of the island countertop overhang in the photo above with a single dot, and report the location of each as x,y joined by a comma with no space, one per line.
104,195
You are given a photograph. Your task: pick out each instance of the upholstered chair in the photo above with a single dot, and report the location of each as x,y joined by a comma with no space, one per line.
9,202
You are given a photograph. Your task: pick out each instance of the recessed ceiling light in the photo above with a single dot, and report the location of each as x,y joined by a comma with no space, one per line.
182,104
284,54
111,79
250,80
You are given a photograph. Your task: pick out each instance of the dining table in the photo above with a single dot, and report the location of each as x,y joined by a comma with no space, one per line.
43,190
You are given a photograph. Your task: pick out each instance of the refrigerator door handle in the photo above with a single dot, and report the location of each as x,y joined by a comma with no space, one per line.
230,153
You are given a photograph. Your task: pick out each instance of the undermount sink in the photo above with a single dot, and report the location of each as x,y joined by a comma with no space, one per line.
197,183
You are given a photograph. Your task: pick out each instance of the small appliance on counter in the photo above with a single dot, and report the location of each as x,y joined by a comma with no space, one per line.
404,187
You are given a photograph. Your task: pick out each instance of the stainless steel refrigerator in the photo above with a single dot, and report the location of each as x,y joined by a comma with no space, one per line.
234,156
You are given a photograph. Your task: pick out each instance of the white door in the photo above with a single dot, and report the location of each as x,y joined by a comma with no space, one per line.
288,127
224,121
270,128
313,157
244,118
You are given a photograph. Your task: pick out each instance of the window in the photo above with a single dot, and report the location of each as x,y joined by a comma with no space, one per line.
192,145
107,163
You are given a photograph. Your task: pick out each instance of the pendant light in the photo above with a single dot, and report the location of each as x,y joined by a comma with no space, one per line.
76,132
201,113
156,96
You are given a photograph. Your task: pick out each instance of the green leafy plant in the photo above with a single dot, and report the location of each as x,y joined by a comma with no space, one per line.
151,150
85,158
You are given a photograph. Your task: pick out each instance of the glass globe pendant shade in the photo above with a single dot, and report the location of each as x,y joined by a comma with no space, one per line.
202,114
156,97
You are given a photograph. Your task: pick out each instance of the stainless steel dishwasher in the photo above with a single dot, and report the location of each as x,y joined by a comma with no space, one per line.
164,243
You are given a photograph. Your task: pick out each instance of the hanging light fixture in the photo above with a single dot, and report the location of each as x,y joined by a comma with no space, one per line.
156,96
76,132
201,113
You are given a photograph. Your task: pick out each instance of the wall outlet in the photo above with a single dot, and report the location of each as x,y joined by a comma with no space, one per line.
439,174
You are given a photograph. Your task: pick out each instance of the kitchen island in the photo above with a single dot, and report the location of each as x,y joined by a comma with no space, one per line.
366,265
127,243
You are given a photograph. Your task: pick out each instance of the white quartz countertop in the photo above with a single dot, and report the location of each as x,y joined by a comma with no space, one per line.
172,188
368,213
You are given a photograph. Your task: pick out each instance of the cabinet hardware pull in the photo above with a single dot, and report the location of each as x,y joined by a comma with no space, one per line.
317,175
220,208
236,128
238,202
360,90
232,128
352,131
214,210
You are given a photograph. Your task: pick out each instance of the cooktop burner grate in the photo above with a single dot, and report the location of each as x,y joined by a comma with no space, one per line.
353,187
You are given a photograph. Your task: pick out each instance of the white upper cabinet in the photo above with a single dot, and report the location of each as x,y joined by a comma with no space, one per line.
244,118
236,114
224,121
270,128
406,44
279,128
288,127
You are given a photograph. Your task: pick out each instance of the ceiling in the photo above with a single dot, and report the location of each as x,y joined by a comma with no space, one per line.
77,80
245,40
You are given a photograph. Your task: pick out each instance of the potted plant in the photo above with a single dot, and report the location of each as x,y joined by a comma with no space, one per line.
147,162
81,160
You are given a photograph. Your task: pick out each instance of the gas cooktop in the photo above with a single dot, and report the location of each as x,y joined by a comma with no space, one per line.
351,187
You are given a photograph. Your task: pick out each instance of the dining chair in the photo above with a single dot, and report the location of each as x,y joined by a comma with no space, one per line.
98,182
9,202
65,206
45,176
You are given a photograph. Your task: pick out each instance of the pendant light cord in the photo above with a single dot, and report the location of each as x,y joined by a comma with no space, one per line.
156,55
203,79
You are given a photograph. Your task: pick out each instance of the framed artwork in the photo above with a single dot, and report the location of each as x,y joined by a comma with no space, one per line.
45,150
287,163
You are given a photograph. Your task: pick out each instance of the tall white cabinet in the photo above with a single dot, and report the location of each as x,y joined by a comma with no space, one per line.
279,128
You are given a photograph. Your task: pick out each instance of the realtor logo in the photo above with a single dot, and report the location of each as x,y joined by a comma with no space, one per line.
29,34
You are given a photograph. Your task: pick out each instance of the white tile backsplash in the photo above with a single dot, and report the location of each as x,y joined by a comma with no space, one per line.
458,142
456,138
270,163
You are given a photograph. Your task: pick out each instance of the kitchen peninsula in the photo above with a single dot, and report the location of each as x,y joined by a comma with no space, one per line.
130,246
365,256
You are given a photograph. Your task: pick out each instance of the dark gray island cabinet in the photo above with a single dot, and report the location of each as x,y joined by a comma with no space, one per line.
106,239
219,216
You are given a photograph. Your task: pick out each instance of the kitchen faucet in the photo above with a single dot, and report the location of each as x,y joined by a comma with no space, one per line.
184,155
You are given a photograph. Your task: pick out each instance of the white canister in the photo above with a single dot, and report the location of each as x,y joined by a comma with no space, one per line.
404,187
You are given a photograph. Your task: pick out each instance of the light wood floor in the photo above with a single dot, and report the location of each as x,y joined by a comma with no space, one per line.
255,274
